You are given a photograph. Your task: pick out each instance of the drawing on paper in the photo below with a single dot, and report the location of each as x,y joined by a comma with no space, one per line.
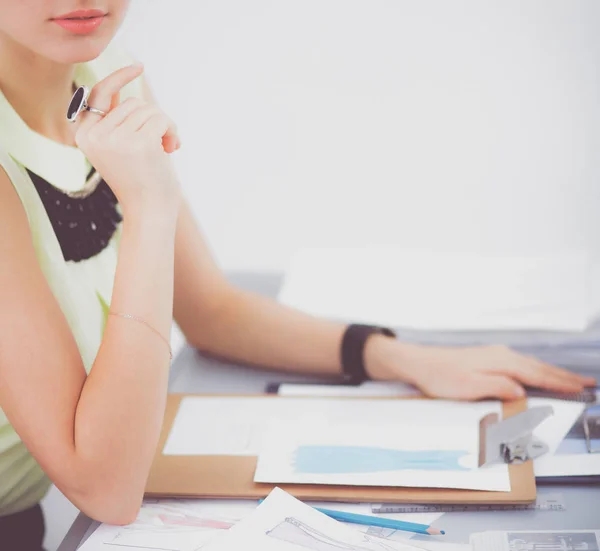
292,530
165,527
552,541
363,459
575,441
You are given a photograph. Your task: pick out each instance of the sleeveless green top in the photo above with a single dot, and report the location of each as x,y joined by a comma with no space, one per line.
83,288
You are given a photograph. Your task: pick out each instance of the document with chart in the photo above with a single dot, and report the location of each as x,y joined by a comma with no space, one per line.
424,444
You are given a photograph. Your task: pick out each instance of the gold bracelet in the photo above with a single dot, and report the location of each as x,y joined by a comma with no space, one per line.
140,320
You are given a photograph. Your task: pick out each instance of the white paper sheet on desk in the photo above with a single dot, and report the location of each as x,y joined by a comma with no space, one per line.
366,509
237,425
282,523
439,291
563,432
171,525
437,446
188,525
368,389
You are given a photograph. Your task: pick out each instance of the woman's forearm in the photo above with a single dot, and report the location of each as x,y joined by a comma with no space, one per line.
120,411
256,330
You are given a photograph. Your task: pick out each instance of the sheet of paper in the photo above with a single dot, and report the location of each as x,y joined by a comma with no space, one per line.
588,540
237,425
554,429
436,447
569,455
282,523
364,390
400,535
234,425
440,291
188,525
171,525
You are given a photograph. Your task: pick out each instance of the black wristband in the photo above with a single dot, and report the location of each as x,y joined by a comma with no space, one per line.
353,348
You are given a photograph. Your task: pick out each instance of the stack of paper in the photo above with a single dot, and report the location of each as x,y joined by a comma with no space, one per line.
565,434
283,523
192,525
536,539
439,291
301,440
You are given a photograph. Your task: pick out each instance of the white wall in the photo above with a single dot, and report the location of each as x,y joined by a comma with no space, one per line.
455,125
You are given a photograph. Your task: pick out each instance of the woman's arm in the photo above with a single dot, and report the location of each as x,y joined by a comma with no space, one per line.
228,322
95,436
231,323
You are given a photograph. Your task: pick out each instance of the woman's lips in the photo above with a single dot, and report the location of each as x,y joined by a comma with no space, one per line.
81,22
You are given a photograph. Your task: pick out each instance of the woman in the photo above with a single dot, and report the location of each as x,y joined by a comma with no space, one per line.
84,354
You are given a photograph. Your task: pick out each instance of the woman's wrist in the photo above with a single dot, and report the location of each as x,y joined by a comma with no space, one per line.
388,359
156,215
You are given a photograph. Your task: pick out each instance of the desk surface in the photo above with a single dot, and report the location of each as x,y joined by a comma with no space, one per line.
195,373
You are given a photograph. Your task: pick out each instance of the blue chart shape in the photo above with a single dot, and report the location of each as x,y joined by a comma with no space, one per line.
360,459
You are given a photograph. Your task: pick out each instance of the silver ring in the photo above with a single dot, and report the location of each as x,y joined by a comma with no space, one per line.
79,103
94,110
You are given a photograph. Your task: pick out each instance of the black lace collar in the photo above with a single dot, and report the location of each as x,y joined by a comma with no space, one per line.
85,225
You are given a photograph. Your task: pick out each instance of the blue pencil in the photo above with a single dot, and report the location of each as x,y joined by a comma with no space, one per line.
367,520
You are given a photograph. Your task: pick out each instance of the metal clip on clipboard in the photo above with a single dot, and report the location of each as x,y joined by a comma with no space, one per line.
511,440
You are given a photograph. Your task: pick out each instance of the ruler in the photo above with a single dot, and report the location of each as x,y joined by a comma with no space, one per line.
549,502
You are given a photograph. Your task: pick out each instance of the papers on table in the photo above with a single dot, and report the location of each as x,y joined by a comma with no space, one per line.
190,525
171,525
368,389
438,291
416,443
425,433
588,540
283,523
568,455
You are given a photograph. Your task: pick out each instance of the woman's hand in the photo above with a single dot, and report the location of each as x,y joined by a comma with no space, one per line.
469,373
130,145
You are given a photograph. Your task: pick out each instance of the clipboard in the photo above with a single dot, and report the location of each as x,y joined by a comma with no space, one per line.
232,477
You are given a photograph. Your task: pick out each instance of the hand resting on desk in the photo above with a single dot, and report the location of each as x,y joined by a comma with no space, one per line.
467,373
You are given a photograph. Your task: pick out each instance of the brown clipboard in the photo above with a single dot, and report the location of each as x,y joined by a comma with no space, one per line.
232,477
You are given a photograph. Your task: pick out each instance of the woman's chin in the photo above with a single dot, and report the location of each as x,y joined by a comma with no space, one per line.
76,51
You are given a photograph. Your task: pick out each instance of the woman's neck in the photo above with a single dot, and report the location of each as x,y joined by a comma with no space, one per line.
38,89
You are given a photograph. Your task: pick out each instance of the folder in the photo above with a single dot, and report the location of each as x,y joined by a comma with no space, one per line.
232,477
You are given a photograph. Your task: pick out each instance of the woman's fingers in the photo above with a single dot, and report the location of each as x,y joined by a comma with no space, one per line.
117,116
566,374
494,386
534,373
156,126
129,117
104,95
171,143
138,118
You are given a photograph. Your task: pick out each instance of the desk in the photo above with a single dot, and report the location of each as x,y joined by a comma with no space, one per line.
195,373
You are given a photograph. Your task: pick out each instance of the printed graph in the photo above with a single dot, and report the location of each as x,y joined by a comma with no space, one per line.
363,459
